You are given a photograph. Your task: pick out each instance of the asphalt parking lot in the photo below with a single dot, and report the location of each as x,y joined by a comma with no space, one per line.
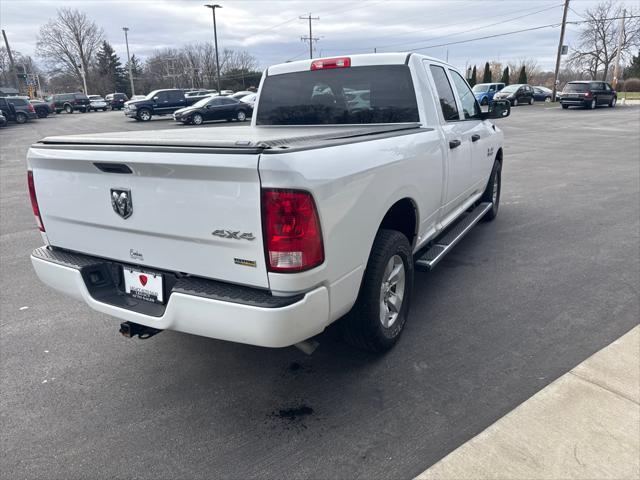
519,302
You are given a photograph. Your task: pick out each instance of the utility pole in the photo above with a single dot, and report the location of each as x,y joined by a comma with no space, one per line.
13,67
84,77
215,41
310,38
126,39
616,70
559,56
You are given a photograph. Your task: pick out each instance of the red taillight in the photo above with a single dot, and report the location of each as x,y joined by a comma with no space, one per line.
587,94
326,63
30,108
34,200
292,236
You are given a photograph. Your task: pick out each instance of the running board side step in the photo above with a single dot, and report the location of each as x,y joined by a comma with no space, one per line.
430,257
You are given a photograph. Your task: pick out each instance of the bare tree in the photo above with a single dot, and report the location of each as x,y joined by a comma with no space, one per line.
598,41
70,42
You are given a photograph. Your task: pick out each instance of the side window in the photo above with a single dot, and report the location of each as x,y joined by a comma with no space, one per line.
469,105
500,87
162,97
445,93
492,88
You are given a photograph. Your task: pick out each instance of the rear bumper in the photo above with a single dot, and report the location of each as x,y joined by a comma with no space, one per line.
575,101
187,310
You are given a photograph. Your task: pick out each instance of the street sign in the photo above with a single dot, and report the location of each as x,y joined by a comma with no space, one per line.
565,49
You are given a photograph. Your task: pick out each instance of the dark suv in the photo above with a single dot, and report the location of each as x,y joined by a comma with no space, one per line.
158,102
17,109
70,102
116,100
588,94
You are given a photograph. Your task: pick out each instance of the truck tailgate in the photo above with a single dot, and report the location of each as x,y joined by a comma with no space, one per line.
195,211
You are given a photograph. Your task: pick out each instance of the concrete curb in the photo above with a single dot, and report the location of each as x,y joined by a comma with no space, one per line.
586,424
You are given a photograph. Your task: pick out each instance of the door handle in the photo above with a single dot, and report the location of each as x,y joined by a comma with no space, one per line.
454,143
475,137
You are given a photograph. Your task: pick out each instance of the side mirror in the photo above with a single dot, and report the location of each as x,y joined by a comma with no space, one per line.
498,109
155,98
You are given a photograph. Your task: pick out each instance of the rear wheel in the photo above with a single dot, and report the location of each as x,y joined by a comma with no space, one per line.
531,101
564,107
592,105
21,117
68,108
547,99
484,101
381,309
613,102
42,113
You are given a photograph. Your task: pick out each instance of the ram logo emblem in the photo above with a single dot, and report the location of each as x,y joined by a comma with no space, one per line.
121,202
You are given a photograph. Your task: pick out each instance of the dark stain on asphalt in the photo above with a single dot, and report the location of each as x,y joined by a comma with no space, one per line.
295,413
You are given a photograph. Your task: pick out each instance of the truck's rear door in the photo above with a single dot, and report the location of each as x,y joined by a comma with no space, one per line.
189,210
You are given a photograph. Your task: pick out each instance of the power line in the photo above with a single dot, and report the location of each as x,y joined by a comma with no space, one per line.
310,38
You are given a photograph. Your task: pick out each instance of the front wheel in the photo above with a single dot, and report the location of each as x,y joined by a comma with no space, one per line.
197,119
381,309
21,118
241,116
515,102
547,99
68,108
484,101
592,105
492,192
565,107
144,115
613,102
531,101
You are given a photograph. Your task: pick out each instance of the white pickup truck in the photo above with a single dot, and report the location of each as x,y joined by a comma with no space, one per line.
353,171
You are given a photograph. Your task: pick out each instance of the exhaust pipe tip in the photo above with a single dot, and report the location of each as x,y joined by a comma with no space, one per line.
130,330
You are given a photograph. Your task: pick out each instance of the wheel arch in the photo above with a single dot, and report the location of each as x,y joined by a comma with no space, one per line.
403,217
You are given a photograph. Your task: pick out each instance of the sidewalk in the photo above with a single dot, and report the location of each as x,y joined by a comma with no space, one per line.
585,425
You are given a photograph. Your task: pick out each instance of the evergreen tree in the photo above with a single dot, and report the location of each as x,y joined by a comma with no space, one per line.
474,77
486,77
111,76
136,71
505,76
522,78
633,70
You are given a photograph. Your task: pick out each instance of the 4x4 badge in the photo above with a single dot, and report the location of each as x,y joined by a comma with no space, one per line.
121,202
233,234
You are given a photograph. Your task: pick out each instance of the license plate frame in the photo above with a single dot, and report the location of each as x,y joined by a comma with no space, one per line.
143,285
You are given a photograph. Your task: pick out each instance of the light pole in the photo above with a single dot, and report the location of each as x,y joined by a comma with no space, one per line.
126,39
84,77
215,40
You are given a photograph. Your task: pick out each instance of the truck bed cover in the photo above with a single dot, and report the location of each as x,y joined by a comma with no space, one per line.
244,139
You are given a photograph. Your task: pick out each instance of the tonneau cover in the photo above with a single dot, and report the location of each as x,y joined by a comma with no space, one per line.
231,137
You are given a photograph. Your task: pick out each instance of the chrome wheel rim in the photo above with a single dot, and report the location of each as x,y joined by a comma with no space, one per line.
241,116
197,119
613,102
547,100
515,102
144,115
593,104
392,291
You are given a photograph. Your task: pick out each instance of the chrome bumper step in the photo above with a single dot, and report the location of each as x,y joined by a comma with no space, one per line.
429,258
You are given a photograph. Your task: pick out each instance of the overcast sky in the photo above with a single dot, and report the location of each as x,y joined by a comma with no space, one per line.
271,30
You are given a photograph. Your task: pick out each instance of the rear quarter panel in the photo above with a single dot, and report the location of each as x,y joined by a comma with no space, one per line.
354,185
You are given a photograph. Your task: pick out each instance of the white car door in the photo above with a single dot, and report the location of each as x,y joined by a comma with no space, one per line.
477,132
457,137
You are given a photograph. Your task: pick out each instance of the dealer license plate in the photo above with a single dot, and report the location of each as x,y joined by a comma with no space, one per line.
143,285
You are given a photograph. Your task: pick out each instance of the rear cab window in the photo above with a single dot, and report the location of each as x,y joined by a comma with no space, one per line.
340,96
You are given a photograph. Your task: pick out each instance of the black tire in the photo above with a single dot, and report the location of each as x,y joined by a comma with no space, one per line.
531,100
565,107
362,327
484,101
491,195
144,115
197,119
68,108
21,118
104,109
58,111
613,102
42,114
593,104
515,102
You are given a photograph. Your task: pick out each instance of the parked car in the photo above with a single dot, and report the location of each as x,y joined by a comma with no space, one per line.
116,100
199,94
226,92
71,102
3,119
213,108
239,95
97,103
250,100
17,109
266,234
158,102
517,94
588,94
484,92
542,94
137,97
42,108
